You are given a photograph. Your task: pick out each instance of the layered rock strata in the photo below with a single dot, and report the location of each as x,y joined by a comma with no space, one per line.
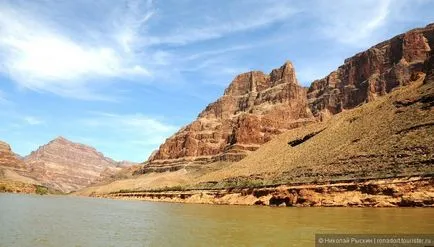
67,166
255,107
8,158
404,192
374,72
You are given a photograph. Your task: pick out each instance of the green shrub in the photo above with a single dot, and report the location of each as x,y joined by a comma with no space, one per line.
41,190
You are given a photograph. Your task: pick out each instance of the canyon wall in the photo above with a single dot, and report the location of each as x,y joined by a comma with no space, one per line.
256,106
374,72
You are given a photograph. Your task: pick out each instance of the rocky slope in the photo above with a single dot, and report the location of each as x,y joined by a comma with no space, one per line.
256,107
13,172
377,155
370,120
67,166
389,137
8,158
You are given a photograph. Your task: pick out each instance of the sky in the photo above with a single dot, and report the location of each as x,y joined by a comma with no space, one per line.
124,75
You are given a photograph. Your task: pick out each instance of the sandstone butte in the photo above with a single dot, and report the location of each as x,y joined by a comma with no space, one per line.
257,106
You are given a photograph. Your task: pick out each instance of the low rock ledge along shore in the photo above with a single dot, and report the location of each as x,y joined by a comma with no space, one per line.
389,192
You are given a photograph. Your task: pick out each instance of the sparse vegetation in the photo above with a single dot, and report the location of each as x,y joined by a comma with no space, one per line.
381,150
41,190
16,186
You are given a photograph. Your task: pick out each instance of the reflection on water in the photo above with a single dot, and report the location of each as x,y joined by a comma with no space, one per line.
71,221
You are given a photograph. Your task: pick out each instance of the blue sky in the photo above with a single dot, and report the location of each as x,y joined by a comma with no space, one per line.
124,75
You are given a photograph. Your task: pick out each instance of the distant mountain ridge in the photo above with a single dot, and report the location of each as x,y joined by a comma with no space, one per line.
68,166
60,164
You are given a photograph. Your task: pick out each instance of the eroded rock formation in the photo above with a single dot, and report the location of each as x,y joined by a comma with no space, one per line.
374,72
8,158
408,192
255,107
67,166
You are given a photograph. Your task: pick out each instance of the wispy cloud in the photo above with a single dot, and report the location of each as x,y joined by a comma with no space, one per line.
79,48
210,26
351,22
135,122
39,54
3,99
32,120
130,132
210,53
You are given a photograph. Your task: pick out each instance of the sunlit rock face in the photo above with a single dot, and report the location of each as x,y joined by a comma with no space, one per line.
373,73
257,106
68,166
254,108
8,158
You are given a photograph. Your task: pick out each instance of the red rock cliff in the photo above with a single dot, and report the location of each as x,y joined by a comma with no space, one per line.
373,73
254,108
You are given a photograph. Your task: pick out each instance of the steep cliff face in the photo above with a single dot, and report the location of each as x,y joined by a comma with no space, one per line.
67,166
254,108
373,73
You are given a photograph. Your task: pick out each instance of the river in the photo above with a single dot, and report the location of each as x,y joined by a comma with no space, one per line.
29,220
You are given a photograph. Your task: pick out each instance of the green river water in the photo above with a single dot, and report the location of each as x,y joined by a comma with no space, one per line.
29,220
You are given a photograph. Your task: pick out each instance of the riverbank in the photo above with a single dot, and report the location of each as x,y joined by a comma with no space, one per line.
8,186
394,192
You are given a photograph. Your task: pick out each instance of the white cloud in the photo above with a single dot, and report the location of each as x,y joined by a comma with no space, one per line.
32,120
134,122
351,22
215,52
3,99
131,39
128,132
78,56
40,55
271,12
